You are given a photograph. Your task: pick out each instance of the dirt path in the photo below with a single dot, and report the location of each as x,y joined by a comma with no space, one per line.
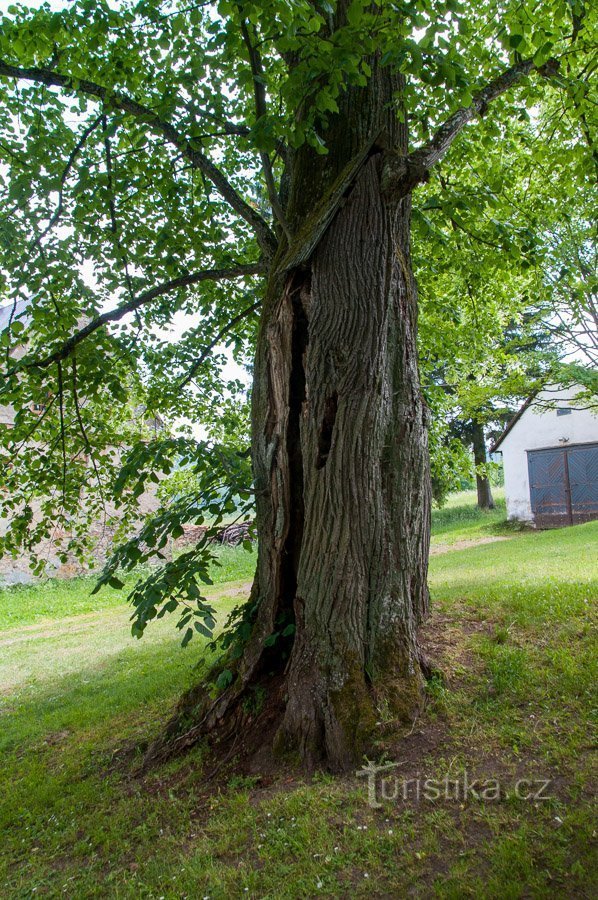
439,549
52,628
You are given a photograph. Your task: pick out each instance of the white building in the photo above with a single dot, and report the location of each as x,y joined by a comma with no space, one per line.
550,459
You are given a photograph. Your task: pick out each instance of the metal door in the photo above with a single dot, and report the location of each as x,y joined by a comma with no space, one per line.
548,488
564,485
582,462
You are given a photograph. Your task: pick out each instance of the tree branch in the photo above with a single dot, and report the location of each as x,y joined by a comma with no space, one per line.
65,173
116,100
86,441
114,315
233,129
112,208
402,173
259,89
215,341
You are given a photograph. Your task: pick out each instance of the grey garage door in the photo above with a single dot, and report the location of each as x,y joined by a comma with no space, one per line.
564,485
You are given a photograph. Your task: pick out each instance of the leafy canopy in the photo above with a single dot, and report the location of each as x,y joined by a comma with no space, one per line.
145,149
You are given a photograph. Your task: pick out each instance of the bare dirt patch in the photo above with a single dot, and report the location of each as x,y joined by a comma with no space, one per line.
439,549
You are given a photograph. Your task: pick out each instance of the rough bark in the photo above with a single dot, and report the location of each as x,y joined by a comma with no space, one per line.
358,555
485,500
340,457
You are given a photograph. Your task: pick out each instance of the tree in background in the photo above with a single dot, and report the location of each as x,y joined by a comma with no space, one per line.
500,309
216,158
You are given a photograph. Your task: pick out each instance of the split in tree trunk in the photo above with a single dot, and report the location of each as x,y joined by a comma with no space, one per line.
340,462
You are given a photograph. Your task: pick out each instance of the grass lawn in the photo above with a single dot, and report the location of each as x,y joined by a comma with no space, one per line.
461,520
512,629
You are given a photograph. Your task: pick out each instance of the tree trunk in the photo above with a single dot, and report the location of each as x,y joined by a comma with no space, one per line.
340,453
485,500
340,457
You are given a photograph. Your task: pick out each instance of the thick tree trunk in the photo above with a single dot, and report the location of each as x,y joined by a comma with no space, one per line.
485,500
340,457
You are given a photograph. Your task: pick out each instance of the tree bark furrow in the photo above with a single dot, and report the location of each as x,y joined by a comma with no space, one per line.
340,454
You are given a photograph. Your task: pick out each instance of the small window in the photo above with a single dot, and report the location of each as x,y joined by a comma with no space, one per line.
563,411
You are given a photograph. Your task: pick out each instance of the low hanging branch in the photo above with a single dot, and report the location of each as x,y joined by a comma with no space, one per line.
215,341
65,174
112,209
114,315
116,100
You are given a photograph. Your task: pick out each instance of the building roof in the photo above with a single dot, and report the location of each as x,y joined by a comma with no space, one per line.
14,311
511,424
537,395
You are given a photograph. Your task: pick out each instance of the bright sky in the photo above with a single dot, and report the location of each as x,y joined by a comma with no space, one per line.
55,5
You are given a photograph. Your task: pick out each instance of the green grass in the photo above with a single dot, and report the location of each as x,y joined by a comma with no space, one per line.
529,574
511,628
460,519
56,598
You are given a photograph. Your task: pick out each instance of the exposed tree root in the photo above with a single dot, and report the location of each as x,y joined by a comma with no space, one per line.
239,722
250,722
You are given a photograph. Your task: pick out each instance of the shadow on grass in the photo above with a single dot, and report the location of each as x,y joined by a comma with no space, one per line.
137,687
73,827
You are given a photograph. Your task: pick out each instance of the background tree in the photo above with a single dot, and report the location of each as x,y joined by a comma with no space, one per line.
494,326
183,153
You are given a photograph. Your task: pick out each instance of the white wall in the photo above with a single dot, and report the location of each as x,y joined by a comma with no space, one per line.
537,429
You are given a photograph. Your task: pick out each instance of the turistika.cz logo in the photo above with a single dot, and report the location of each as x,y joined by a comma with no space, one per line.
384,786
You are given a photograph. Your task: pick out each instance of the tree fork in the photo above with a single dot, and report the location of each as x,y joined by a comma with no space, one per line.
342,487
339,450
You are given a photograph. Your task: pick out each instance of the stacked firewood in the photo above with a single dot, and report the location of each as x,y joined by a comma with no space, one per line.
235,534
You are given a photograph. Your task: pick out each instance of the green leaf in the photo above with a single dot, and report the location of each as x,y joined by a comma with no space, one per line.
224,679
203,630
543,54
